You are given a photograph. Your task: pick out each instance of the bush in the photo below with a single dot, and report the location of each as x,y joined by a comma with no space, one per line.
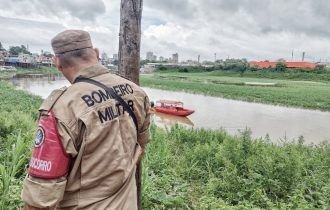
185,70
202,169
162,68
280,67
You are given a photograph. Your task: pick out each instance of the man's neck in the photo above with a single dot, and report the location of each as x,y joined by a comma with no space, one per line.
73,72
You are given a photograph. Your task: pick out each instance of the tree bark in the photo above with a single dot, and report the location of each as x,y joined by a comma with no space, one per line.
129,58
129,39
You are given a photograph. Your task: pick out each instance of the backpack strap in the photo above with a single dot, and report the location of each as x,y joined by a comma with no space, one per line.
113,95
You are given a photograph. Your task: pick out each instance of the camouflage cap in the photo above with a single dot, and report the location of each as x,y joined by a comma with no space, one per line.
71,40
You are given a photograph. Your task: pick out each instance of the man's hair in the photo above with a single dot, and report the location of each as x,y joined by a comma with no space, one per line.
75,57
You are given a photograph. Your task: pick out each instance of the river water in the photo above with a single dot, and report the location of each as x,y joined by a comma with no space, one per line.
280,123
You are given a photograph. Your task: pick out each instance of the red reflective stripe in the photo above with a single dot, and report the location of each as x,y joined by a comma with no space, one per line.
49,159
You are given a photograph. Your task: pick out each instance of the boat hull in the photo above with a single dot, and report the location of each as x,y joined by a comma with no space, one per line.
174,111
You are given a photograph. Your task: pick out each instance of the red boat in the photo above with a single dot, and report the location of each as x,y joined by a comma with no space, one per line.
172,108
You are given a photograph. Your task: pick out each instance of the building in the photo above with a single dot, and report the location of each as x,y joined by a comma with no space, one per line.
12,60
105,59
44,60
175,58
115,57
191,62
161,59
269,64
150,56
27,58
3,55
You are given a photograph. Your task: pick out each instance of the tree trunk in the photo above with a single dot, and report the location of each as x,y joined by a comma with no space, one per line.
129,58
129,39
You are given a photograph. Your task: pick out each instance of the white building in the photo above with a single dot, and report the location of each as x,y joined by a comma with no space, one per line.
27,58
150,56
175,58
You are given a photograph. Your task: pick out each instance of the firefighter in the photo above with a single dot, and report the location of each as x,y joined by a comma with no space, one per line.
90,135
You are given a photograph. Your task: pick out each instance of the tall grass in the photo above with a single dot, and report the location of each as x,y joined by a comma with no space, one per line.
18,113
200,169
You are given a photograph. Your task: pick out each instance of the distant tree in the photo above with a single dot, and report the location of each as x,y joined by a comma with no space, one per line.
280,66
142,62
162,68
15,50
207,63
185,70
253,68
238,65
1,47
115,62
47,54
320,68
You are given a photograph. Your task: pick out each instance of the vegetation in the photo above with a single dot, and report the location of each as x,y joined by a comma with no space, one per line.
8,74
240,68
187,169
283,91
201,169
16,50
17,127
293,74
280,66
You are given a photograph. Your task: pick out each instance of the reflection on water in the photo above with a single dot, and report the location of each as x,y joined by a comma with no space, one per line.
277,121
215,113
41,85
170,120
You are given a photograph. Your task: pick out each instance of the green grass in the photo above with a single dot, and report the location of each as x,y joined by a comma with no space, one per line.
187,169
18,115
4,75
202,169
289,74
305,94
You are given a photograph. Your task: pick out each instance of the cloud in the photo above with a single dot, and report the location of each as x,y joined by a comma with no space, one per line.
33,33
180,9
84,10
253,29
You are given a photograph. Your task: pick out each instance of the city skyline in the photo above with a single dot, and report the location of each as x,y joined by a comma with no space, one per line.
255,30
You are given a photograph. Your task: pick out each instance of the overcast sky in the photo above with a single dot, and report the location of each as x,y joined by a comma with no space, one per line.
252,29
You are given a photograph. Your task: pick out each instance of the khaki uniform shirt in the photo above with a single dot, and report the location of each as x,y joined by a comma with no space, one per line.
102,142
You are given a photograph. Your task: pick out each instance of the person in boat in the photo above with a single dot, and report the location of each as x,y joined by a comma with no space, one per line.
87,143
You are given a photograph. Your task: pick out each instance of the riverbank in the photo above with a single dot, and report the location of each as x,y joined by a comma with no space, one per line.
320,75
187,169
304,94
5,75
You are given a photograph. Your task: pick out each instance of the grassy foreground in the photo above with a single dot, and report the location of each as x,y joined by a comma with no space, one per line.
187,169
18,114
305,94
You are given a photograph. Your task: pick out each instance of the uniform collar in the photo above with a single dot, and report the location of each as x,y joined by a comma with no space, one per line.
93,71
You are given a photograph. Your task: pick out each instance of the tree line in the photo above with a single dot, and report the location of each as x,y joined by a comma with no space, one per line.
239,65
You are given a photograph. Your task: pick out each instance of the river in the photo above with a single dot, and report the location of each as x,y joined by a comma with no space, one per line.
280,123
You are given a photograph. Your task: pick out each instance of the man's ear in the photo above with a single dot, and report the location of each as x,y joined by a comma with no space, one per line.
97,52
57,63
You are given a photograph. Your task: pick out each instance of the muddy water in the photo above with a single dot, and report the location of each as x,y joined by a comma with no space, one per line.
278,122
